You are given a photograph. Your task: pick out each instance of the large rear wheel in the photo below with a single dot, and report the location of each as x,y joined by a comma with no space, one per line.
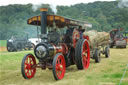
82,54
59,66
28,66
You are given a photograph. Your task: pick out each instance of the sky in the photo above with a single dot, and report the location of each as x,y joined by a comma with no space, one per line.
55,2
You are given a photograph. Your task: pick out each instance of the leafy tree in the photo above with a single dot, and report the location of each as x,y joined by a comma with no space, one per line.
104,16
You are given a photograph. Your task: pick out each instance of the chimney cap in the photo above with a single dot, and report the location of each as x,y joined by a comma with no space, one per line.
43,9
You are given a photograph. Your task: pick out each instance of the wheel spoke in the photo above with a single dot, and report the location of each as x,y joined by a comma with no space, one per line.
86,50
57,66
59,73
26,66
31,72
29,61
85,54
27,71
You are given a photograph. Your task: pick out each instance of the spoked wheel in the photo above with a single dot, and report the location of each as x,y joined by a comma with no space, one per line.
59,66
82,54
28,66
85,54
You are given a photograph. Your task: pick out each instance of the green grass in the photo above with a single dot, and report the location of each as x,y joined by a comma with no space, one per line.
3,43
108,72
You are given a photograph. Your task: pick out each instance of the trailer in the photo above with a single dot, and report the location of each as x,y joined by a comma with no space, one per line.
99,44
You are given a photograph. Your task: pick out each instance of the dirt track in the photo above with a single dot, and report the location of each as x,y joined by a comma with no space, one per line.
3,49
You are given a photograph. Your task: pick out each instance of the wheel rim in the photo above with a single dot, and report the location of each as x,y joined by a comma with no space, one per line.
85,55
75,37
29,68
60,67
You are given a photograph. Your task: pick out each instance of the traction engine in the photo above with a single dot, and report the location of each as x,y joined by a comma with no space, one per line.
56,52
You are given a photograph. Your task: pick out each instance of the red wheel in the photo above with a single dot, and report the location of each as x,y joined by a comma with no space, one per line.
59,66
85,54
28,66
82,54
75,37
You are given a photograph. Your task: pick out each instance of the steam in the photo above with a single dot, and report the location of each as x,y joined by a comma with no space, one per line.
53,7
123,3
35,7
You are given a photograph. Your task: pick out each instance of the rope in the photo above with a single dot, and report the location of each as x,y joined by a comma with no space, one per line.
123,75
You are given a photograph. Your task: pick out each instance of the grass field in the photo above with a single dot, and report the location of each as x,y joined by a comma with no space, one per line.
108,72
2,43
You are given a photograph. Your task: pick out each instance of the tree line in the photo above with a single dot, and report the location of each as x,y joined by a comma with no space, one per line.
104,16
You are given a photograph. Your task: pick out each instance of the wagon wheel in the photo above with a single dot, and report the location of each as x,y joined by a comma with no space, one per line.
97,56
107,52
82,54
28,66
59,66
75,37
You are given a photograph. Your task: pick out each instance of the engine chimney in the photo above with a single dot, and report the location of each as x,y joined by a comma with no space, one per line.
43,23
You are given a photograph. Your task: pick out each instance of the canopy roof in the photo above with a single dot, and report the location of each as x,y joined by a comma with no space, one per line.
59,21
116,29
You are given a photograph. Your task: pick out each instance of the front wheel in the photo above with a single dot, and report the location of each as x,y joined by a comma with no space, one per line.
59,66
28,66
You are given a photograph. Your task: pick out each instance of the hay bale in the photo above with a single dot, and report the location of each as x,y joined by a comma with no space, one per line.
97,38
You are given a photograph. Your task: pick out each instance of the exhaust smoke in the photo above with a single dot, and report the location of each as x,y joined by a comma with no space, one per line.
123,3
53,7
35,7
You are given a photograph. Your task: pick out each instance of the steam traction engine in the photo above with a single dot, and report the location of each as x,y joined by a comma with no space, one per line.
57,51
